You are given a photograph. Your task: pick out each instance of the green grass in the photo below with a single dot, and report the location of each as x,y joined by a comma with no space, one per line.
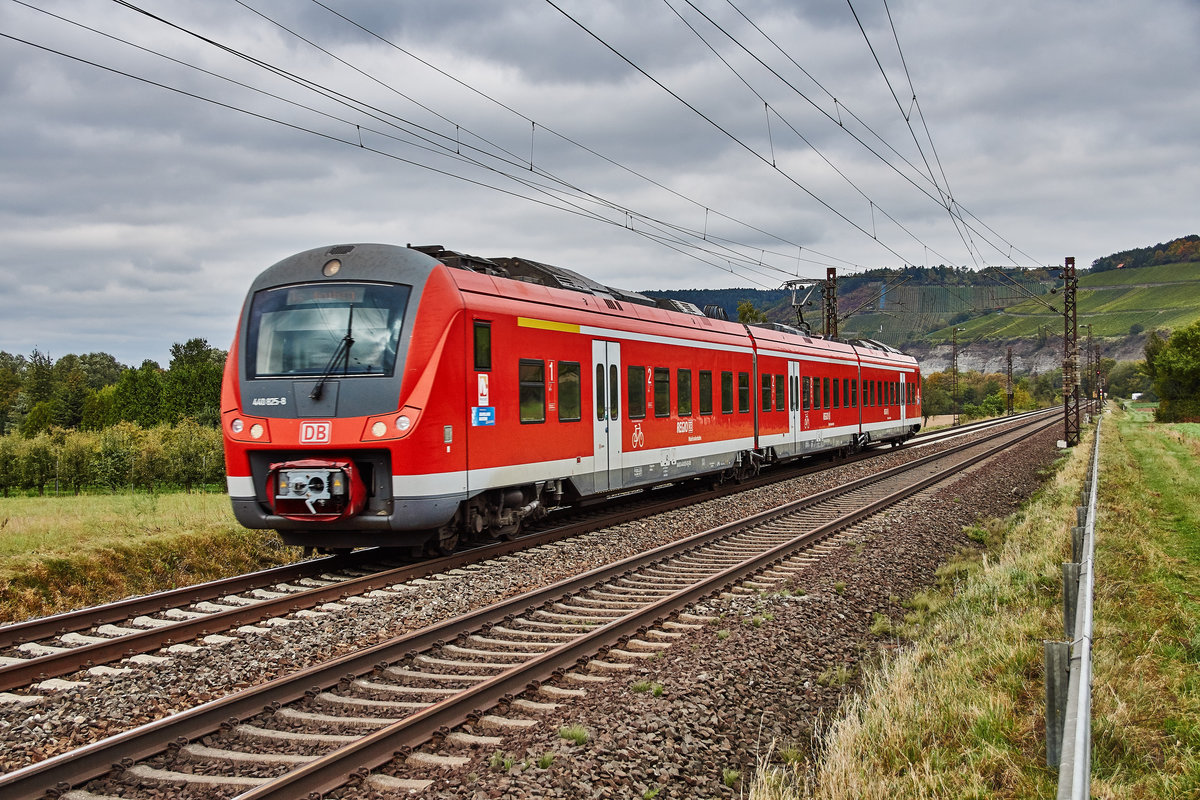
58,553
960,712
574,733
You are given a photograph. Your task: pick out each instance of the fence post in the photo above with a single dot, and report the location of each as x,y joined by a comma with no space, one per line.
1070,572
1058,673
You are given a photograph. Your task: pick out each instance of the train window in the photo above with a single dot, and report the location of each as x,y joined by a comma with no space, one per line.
532,378
895,387
662,392
795,381
807,393
483,346
614,393
317,330
726,392
601,406
766,392
744,392
636,379
570,396
683,391
780,394
845,392
854,392
837,397
869,399
705,389
825,392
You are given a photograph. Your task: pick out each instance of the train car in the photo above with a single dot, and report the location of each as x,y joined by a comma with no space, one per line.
410,397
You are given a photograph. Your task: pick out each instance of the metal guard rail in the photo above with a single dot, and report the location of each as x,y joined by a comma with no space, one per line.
1068,729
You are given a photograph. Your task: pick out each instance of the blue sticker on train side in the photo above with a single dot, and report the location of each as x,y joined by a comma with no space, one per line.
483,415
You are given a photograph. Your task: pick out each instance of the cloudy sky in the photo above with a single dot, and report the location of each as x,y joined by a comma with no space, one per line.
156,155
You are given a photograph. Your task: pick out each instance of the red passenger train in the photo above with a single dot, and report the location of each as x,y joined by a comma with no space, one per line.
413,396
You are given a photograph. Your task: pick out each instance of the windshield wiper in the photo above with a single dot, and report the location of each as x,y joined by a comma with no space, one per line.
343,350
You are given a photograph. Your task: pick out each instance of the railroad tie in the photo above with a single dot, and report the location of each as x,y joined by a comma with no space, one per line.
202,753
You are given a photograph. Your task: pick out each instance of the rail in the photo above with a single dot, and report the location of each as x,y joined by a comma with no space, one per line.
1069,663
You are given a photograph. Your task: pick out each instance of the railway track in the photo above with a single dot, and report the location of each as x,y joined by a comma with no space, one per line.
309,731
50,647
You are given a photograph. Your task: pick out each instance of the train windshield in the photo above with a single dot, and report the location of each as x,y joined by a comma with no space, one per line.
325,329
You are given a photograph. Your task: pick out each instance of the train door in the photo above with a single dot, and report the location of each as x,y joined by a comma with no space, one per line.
794,413
606,372
902,398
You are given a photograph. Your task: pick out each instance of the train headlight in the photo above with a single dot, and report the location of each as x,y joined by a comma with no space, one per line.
403,423
256,431
379,429
236,426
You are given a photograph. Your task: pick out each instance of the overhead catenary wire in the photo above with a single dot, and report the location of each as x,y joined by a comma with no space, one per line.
572,141
871,203
541,186
430,143
836,118
724,131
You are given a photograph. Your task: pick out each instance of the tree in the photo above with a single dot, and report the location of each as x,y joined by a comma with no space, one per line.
748,314
39,379
12,376
192,384
37,463
190,452
1128,377
1176,370
76,459
101,370
10,473
138,396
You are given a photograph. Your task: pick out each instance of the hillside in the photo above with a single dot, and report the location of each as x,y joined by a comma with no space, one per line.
920,312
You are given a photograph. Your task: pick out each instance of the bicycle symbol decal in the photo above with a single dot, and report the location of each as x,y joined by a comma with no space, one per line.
639,438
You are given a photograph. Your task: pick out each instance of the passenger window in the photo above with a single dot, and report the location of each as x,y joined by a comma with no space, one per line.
706,391
662,392
683,391
836,397
766,392
483,346
845,392
744,392
825,392
532,379
601,408
854,392
807,393
636,379
726,392
614,393
570,396
780,394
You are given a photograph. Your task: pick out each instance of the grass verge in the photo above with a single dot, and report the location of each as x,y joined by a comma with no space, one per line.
58,553
959,712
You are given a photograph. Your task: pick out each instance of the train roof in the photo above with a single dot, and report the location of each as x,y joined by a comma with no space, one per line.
529,271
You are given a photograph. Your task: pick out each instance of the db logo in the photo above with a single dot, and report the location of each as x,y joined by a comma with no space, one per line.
315,432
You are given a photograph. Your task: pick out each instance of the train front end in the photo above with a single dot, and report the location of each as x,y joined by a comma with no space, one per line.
325,391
